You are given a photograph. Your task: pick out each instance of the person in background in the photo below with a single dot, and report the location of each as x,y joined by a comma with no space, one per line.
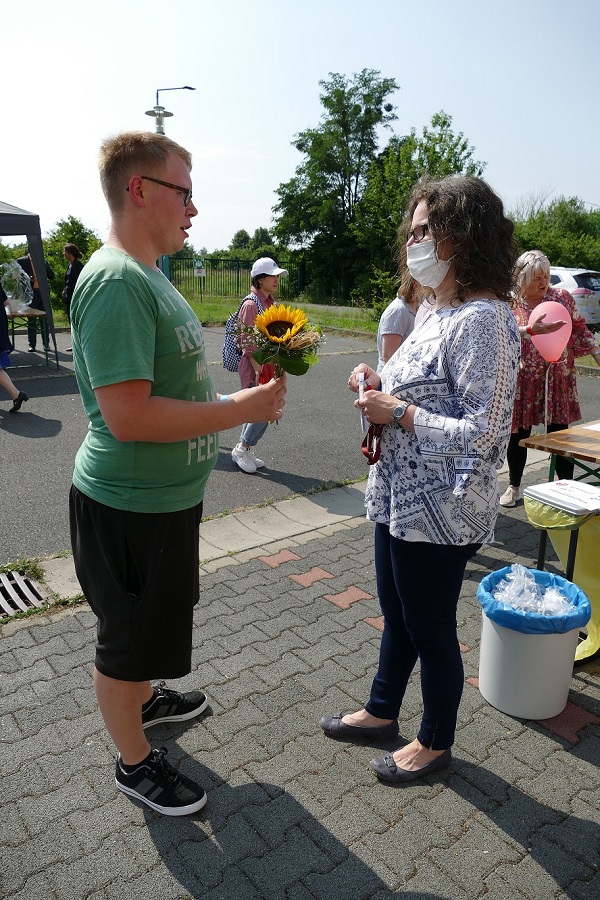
397,321
72,254
18,397
138,484
26,264
532,287
445,402
265,281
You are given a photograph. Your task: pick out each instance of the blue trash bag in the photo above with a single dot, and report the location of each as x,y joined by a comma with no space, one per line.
528,622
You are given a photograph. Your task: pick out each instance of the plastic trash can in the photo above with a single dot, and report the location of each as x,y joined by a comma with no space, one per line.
525,658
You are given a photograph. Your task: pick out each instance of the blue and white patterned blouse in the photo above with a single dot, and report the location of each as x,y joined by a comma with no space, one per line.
439,484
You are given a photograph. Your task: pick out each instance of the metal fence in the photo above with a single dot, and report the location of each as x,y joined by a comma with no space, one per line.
225,277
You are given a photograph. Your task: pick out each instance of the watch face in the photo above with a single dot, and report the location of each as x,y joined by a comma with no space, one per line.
399,411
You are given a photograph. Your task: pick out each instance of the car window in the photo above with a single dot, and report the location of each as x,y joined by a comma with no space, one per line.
589,280
554,279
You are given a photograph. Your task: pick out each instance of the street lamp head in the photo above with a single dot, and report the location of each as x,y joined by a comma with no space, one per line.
159,112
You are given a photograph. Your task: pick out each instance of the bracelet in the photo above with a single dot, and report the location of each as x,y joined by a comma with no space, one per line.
529,330
223,397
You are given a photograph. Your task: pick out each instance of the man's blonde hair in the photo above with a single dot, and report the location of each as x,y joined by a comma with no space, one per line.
134,153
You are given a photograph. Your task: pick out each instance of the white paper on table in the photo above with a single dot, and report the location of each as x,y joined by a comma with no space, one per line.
592,427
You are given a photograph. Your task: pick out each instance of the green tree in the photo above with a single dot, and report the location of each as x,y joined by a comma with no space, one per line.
317,207
564,230
261,238
240,240
67,231
393,174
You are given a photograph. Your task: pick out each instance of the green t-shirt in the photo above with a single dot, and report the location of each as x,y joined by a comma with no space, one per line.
129,323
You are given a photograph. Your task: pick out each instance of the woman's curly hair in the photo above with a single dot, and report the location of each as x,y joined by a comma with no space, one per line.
466,209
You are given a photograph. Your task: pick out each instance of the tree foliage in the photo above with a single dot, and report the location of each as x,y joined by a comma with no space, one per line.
393,174
243,246
564,230
67,231
346,199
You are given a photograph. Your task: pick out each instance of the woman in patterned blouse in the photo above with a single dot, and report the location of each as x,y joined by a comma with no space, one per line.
445,400
532,288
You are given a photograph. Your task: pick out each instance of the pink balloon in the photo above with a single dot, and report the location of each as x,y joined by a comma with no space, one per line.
551,345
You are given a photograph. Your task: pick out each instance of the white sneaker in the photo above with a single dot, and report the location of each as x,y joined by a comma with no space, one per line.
244,458
511,495
259,462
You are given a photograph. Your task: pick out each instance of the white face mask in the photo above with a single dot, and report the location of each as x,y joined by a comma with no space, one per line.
424,265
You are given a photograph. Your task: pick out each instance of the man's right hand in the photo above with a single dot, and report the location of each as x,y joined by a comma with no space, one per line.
265,402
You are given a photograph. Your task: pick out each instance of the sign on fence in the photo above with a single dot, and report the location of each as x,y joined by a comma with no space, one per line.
199,268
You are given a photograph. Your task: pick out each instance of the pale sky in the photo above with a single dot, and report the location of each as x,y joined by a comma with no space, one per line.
518,77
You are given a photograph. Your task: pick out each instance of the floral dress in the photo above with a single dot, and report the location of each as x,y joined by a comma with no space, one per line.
530,398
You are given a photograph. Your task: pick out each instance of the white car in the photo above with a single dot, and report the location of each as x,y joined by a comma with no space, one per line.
584,286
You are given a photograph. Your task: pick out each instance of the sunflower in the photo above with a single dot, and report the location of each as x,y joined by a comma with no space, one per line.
280,323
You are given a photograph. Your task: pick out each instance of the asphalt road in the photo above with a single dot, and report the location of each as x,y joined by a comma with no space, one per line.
317,444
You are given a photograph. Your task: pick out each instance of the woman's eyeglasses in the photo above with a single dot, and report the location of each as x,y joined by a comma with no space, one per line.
418,233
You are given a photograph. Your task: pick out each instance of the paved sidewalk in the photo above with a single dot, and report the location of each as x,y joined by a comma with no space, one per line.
287,630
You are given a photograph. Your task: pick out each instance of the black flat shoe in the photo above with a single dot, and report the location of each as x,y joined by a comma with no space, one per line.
386,769
17,404
334,727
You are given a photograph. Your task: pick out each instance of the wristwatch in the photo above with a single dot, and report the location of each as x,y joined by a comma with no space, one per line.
399,411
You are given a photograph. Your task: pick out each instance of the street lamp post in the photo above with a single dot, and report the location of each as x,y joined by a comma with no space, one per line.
159,112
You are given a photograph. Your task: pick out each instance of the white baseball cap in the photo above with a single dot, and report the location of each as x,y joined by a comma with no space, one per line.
267,266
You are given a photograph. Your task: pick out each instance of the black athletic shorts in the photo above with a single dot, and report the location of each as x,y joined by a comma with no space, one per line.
140,574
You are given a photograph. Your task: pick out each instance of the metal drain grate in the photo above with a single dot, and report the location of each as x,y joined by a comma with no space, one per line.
18,594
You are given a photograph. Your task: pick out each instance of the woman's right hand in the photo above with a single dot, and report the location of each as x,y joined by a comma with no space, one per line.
371,377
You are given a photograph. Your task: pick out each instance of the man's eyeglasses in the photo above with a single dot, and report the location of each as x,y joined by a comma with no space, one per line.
187,192
418,233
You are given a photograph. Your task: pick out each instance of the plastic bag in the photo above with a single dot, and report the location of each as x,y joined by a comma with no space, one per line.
17,286
528,621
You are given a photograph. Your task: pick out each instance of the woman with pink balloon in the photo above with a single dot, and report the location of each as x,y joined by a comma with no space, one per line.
553,333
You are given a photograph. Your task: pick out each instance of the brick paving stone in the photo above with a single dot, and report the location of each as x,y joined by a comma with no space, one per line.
285,865
352,878
35,888
345,599
375,622
570,722
278,559
307,579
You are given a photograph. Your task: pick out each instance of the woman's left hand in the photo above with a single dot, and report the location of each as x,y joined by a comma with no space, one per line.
377,407
541,327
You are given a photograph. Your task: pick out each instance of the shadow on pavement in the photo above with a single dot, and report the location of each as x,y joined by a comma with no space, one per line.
547,834
257,841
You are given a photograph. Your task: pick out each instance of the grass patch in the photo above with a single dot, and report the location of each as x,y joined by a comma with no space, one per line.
30,568
216,311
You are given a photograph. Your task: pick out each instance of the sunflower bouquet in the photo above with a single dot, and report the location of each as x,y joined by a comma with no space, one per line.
284,338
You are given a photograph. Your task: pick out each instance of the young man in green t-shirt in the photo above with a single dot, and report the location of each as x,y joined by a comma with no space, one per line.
139,478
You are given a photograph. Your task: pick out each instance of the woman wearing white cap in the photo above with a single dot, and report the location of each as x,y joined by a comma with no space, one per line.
265,280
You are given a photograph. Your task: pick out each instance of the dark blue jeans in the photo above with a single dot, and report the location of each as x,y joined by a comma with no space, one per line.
419,586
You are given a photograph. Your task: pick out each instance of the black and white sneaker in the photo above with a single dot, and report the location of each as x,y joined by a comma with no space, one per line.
171,706
159,785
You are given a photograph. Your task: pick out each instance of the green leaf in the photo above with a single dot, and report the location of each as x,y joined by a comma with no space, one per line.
296,366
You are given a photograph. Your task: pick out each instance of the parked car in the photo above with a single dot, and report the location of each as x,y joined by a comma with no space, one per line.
584,286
